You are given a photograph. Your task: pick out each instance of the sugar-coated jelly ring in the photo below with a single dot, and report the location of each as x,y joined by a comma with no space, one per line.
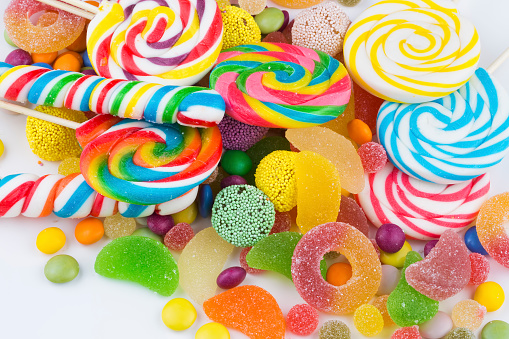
356,247
43,37
493,214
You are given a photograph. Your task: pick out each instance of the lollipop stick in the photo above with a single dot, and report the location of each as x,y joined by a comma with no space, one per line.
68,8
39,115
83,5
499,61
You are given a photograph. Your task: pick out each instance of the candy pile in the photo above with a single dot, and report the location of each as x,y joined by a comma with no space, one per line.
300,136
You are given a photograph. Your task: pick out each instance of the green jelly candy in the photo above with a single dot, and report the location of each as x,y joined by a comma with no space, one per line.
236,162
270,20
260,150
139,259
405,305
275,253
461,333
496,329
146,232
8,39
61,269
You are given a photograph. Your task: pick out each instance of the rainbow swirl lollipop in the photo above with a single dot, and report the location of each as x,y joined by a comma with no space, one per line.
411,51
145,164
162,41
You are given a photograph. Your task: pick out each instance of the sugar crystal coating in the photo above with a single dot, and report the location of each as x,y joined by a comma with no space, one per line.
238,135
480,269
407,333
302,319
244,264
461,333
468,314
373,156
117,226
406,306
381,304
248,309
201,262
334,329
368,320
139,259
253,7
366,268
178,236
351,213
282,223
445,271
69,166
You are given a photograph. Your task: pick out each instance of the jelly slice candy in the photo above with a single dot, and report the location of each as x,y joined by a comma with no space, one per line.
381,304
334,147
468,314
261,149
366,106
302,319
244,264
445,271
139,259
366,268
407,333
351,213
275,252
368,320
480,269
334,329
201,262
248,309
406,306
339,125
318,190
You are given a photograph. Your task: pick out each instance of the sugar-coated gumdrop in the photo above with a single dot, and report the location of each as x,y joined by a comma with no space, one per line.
406,306
339,273
117,226
261,149
160,224
178,236
480,269
366,106
359,131
212,331
437,327
472,241
253,7
396,259
201,262
89,231
381,304
318,190
429,246
464,333
243,262
469,314
275,252
242,215
61,269
490,295
390,279
373,157
69,166
237,135
308,280
334,147
282,223
407,333
50,240
491,220
334,329
496,329
340,124
368,320
390,238
302,319
231,277
445,271
236,162
351,213
139,259
349,3
178,314
248,309
18,57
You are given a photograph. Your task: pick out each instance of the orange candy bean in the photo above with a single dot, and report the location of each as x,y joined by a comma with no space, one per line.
47,58
89,231
68,62
339,273
359,131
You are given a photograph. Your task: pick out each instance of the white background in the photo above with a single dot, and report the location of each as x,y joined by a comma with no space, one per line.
95,307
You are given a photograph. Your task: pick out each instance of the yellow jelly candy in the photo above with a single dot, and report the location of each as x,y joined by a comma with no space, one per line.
396,259
318,190
50,240
368,320
178,314
212,331
69,166
188,215
490,295
335,147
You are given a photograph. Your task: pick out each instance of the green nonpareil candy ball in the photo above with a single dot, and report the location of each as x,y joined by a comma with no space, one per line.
236,162
270,20
61,269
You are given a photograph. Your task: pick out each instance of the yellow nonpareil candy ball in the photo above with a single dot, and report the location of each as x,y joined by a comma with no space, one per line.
179,314
239,28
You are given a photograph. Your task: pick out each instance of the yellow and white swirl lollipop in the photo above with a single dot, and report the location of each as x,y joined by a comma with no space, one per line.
411,51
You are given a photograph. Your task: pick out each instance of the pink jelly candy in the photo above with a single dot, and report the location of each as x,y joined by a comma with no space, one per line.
407,333
445,271
282,223
480,269
373,156
302,319
366,106
351,213
244,264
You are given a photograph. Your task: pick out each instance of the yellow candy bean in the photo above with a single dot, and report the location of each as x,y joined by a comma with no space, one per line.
178,314
212,331
490,295
188,215
395,259
50,240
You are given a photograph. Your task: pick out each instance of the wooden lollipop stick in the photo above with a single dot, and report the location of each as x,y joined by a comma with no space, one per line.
83,5
39,115
498,61
69,8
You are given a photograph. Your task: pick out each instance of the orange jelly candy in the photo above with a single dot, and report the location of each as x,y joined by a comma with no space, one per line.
41,38
248,309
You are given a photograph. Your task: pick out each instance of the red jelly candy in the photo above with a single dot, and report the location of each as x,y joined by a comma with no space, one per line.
480,269
407,333
282,223
302,319
178,236
373,157
351,213
366,106
243,262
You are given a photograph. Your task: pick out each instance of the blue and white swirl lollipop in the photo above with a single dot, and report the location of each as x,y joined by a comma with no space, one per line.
452,139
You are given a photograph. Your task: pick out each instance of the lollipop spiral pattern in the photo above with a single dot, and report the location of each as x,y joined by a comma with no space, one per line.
190,106
145,164
280,85
424,210
452,139
71,197
160,41
411,51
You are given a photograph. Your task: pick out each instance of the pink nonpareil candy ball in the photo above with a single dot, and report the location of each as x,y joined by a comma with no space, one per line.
302,319
19,57
231,277
390,238
160,224
373,156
